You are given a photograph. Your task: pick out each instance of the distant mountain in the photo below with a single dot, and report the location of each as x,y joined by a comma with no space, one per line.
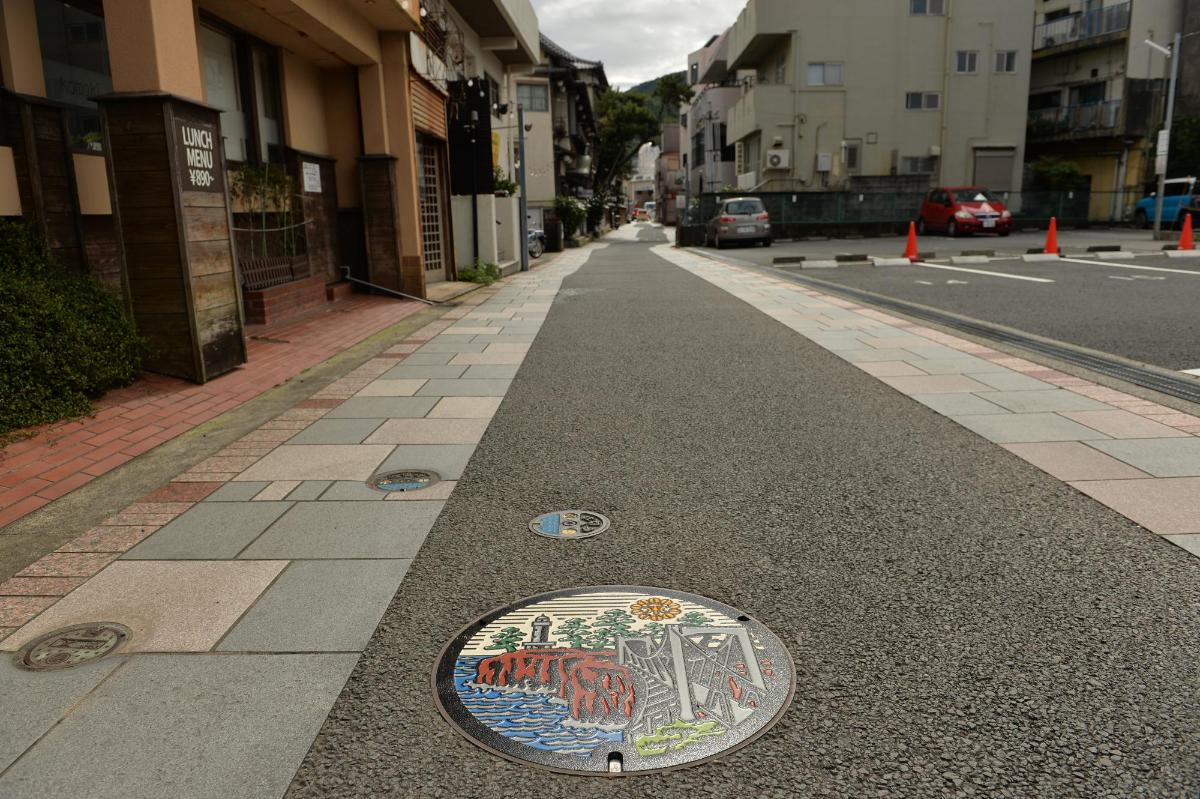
649,86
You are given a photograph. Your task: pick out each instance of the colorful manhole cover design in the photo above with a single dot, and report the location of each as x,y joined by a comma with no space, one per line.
570,524
406,480
614,679
72,646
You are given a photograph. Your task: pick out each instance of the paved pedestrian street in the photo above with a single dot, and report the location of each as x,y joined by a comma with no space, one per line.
926,567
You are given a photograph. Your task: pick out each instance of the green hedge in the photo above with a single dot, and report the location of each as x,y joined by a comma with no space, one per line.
63,338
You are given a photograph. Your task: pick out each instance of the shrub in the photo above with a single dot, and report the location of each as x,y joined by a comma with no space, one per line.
571,213
479,272
63,338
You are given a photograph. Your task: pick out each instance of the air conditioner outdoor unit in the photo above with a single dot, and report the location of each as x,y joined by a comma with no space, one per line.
779,159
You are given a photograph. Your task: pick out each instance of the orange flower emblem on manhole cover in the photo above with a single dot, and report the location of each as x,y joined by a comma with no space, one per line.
655,608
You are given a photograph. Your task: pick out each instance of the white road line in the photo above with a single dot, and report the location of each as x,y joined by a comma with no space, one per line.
1195,372
983,272
1113,265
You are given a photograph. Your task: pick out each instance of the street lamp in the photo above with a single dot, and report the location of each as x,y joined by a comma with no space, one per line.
1164,136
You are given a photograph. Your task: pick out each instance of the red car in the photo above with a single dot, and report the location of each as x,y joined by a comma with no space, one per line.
964,209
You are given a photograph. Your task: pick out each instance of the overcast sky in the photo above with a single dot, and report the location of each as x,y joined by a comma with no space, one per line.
636,39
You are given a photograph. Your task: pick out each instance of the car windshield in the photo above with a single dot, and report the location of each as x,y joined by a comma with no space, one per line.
744,207
975,196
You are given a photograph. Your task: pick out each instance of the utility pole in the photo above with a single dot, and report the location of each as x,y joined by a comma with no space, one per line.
524,193
474,188
1164,136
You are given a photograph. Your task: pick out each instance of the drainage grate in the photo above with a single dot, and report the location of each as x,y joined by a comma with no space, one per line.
613,680
72,646
569,524
406,480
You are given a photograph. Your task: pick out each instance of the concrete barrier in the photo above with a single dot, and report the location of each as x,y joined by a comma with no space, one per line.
1036,257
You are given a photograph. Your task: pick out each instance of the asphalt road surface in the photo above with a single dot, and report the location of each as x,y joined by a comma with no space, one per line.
961,623
1144,310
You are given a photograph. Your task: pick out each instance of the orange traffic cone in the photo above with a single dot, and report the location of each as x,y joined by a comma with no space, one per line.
1052,238
1185,239
910,250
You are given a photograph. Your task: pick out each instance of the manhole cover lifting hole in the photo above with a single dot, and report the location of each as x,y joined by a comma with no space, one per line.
569,524
614,680
73,646
405,480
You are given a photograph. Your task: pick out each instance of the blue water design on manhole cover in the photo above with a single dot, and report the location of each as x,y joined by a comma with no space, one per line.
569,524
613,680
407,480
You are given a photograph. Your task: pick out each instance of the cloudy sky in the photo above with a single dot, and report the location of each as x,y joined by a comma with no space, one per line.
636,39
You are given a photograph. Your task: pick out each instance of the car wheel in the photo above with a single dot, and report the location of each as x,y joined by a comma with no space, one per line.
717,242
951,229
1140,219
921,229
1004,233
767,242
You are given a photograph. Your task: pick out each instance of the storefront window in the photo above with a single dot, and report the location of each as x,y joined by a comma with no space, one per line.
221,89
75,63
227,56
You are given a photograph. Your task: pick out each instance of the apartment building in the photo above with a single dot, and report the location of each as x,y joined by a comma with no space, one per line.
135,135
880,93
709,156
1097,92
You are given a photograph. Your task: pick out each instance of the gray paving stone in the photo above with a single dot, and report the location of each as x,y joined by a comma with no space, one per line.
309,490
337,431
465,388
351,490
957,404
236,492
490,372
1055,399
869,355
319,606
1161,457
209,531
187,727
1013,381
411,371
453,344
347,530
429,358
382,407
35,701
448,460
956,366
1022,428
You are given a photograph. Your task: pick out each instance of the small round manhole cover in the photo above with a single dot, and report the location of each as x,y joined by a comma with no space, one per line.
73,646
406,480
569,524
614,679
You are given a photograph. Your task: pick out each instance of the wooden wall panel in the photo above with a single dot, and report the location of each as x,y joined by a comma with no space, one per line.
377,176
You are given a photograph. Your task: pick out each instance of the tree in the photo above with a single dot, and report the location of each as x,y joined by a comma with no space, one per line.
671,93
507,639
694,618
1184,158
654,630
624,123
576,632
1056,174
609,626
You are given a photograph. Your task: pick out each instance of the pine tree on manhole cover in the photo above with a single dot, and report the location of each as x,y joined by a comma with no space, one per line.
569,524
72,646
614,679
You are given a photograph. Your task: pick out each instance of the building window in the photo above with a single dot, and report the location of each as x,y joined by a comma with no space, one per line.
781,70
824,74
493,94
853,156
967,62
922,101
1006,61
75,63
932,8
917,165
533,96
695,74
249,137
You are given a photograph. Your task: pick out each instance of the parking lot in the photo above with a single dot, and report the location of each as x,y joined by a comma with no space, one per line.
1143,309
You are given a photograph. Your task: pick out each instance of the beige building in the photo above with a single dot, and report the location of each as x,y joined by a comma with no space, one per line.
880,93
709,158
1096,96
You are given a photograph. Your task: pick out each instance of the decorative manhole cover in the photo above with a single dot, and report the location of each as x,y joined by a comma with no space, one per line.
569,524
614,679
407,480
73,646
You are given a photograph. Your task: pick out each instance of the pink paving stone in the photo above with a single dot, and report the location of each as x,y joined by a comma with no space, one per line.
109,539
181,492
276,490
1174,419
68,564
138,519
1071,460
279,424
17,610
402,349
1123,424
268,436
295,414
39,586
1165,505
218,464
935,384
173,508
202,477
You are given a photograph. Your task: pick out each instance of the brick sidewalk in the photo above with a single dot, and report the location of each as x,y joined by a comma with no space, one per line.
155,409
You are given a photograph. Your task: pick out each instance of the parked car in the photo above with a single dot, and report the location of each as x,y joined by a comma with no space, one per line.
1178,195
963,210
739,219
646,213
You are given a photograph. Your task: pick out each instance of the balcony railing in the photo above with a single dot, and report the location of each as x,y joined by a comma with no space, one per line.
1075,119
1081,27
